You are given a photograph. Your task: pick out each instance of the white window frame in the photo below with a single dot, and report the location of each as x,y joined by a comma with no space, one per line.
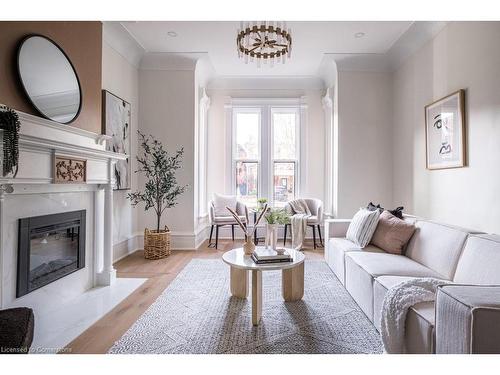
266,169
296,160
234,159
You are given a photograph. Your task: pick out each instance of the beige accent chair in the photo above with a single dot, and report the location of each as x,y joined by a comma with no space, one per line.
436,250
220,221
315,221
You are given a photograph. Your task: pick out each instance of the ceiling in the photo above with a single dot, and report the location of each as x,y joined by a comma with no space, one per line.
311,41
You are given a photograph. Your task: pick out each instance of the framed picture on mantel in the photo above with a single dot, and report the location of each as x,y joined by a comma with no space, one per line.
116,116
445,132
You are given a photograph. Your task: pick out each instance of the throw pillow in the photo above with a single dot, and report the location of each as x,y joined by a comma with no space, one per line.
362,226
392,233
223,201
398,211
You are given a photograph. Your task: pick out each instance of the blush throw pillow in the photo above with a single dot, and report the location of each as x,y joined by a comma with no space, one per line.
223,201
362,226
392,234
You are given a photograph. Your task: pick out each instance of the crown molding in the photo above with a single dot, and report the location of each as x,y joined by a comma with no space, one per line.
174,61
415,37
266,83
118,38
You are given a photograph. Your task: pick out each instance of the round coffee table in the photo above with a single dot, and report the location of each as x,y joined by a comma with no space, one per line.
292,278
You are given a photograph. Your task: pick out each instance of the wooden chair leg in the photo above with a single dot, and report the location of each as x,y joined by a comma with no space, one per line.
211,232
284,236
232,231
320,238
314,236
216,236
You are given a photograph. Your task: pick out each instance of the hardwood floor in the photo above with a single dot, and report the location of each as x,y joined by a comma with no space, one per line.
160,273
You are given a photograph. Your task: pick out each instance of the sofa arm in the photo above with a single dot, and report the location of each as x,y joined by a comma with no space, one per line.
468,319
336,227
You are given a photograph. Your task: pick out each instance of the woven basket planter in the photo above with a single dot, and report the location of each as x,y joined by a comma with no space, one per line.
156,244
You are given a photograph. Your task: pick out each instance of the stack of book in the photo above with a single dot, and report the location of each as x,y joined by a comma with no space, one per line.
262,256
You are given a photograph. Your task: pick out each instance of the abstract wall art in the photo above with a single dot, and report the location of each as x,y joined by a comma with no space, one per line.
116,123
445,132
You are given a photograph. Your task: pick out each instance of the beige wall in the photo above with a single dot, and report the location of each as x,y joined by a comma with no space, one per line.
464,55
365,141
167,111
122,79
81,41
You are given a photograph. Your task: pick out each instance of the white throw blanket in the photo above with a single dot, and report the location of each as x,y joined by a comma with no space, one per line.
298,222
396,303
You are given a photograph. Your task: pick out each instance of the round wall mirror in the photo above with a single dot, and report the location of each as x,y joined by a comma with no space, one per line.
49,79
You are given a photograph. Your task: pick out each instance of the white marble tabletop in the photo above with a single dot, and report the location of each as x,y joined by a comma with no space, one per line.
237,258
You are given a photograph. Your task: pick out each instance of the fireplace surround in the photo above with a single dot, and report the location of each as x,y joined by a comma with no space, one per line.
49,248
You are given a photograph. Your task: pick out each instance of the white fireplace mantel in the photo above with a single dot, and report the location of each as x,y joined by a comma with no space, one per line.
40,140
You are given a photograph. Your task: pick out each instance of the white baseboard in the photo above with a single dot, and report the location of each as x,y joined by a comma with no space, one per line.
179,241
190,240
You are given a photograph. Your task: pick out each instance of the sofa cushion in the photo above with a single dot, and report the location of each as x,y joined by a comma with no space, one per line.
392,234
335,254
420,320
379,264
362,267
437,247
380,287
480,261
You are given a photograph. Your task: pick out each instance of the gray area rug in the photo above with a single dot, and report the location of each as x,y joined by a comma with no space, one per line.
196,314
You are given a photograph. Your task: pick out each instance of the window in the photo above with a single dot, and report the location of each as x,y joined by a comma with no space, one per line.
284,151
265,153
246,155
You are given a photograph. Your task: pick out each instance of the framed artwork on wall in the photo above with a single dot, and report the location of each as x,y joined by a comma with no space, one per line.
116,116
445,132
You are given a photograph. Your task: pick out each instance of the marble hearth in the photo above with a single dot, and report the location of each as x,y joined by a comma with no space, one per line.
34,192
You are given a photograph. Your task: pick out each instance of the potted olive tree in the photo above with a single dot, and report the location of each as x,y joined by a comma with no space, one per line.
160,191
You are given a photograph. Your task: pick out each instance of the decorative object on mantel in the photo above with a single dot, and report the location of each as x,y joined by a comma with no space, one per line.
49,79
264,42
249,245
116,116
274,217
445,132
69,170
160,191
10,124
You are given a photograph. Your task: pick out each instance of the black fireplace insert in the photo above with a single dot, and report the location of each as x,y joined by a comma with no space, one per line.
49,247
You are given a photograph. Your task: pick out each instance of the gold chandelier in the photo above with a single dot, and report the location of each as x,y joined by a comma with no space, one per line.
266,42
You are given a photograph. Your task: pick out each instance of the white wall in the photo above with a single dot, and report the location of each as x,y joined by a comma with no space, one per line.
464,55
365,141
121,78
219,157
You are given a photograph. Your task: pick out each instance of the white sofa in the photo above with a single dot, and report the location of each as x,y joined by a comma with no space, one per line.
435,250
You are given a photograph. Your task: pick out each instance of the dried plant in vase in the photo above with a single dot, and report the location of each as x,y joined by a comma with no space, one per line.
160,191
248,246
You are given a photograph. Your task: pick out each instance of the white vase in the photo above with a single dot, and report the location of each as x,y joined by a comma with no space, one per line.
271,236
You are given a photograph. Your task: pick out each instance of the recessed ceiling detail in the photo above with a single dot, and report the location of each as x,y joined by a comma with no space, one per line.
312,42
